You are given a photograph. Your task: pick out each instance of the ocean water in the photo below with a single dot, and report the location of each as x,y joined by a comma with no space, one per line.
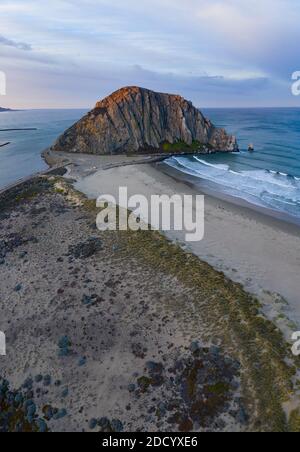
22,157
270,176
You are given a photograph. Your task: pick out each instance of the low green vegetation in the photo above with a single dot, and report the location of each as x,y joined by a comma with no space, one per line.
24,192
181,146
229,316
294,421
233,316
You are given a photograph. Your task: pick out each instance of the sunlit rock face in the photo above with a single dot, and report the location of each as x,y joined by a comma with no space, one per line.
137,120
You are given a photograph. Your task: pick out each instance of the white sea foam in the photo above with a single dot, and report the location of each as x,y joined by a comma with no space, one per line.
276,190
217,166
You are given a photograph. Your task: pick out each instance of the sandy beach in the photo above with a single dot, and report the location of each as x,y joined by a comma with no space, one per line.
131,330
150,219
250,247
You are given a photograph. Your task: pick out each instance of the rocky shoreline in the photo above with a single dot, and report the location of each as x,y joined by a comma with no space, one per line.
55,158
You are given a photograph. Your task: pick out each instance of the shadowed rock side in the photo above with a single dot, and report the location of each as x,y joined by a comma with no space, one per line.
137,120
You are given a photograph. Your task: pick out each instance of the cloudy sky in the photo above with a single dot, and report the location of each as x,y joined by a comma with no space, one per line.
69,53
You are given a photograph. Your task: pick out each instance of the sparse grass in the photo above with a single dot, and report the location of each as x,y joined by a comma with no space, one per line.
24,192
233,318
144,383
294,421
219,388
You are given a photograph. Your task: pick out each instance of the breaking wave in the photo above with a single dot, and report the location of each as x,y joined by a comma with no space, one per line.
264,187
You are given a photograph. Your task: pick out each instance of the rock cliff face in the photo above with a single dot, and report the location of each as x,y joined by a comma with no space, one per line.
137,120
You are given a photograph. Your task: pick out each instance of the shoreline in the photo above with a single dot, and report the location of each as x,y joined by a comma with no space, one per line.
264,258
116,161
259,274
106,318
282,220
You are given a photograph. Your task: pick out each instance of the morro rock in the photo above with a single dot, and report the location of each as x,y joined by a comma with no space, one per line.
136,120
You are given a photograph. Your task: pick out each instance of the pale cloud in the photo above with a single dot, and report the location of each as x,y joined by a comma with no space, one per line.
212,51
17,45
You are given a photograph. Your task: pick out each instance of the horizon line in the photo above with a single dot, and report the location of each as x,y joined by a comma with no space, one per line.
15,109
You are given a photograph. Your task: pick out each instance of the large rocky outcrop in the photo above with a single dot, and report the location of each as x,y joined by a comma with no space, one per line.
137,120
